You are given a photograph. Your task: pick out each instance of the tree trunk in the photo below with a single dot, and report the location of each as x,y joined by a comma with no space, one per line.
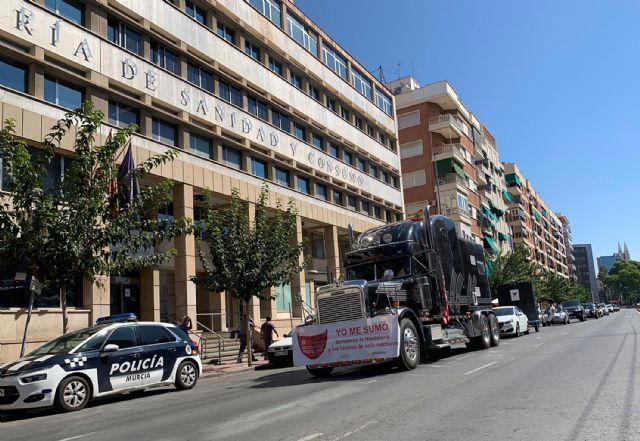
248,333
26,325
63,303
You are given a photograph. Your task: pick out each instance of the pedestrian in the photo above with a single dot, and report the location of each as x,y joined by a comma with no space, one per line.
552,311
242,334
185,324
266,331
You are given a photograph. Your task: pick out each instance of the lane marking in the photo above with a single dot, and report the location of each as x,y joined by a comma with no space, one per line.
77,436
357,429
310,437
566,333
539,344
481,367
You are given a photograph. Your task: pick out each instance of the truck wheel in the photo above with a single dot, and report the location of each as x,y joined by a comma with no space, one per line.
483,341
517,334
495,330
320,372
73,394
409,346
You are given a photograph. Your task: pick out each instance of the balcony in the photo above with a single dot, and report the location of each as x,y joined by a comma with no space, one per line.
458,213
446,151
448,125
452,180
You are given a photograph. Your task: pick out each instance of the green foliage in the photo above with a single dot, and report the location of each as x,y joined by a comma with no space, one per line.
74,230
624,277
512,267
245,258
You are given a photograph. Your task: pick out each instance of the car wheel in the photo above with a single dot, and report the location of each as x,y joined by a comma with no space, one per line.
186,375
517,334
320,372
494,327
73,394
409,346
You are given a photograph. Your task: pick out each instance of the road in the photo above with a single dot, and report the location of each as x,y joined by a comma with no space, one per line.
574,382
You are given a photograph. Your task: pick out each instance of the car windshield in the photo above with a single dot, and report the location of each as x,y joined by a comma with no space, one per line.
570,303
500,312
66,342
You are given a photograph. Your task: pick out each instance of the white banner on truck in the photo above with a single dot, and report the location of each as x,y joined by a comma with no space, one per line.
354,340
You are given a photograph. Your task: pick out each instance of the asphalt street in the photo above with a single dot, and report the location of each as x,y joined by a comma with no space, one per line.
573,382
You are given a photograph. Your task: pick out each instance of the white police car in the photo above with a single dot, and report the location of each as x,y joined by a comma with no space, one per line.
109,358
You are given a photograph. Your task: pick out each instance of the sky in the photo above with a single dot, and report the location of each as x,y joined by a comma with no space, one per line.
557,82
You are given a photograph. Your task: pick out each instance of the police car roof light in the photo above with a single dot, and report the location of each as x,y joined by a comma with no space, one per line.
125,317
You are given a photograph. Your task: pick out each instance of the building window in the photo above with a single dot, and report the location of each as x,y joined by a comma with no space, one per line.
165,58
331,104
348,157
258,108
259,168
358,123
382,138
352,202
270,9
360,83
337,197
122,115
13,75
394,181
301,34
316,140
334,61
384,176
299,132
61,93
252,50
165,132
314,92
200,77
333,150
383,102
282,176
321,191
463,202
345,113
361,164
276,66
303,185
317,246
283,297
230,93
69,9
232,157
226,33
280,120
125,36
377,212
296,80
196,12
200,145
364,207
373,171
370,131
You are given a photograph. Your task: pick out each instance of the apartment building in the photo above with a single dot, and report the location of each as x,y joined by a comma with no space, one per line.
586,272
450,161
534,224
568,244
248,91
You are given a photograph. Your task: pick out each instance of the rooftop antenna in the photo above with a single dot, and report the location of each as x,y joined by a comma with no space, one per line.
380,73
398,69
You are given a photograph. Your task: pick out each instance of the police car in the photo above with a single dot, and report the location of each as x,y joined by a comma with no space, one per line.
117,355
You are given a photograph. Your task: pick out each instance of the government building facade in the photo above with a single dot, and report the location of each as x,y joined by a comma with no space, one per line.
248,91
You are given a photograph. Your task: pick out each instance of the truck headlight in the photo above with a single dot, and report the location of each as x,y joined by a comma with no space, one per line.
33,378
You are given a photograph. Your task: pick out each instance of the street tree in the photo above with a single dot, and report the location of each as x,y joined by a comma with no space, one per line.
603,274
624,277
244,256
512,267
94,222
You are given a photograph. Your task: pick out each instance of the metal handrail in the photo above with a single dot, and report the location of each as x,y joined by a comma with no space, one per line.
218,337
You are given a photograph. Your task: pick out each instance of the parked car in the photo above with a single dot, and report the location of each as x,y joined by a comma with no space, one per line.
603,309
560,316
511,320
280,353
574,309
616,307
542,316
610,308
591,310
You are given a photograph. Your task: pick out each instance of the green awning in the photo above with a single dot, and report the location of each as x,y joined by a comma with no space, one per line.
544,213
503,236
506,196
447,166
489,243
497,211
490,215
537,215
512,178
459,170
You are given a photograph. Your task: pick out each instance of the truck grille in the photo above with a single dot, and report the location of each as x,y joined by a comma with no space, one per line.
340,305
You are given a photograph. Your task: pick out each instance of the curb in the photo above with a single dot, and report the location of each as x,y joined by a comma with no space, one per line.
220,371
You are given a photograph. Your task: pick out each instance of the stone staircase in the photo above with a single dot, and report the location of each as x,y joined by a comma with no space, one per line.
230,348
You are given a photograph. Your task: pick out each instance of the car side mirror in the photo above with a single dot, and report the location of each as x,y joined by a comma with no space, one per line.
110,348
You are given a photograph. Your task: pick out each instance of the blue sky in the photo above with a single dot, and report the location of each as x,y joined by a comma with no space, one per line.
556,82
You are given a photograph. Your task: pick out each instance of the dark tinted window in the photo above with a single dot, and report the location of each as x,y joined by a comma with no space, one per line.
154,334
124,337
13,75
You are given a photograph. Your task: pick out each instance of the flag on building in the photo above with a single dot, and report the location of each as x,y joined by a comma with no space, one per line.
127,180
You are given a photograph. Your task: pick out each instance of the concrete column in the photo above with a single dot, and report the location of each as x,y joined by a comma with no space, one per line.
95,19
97,298
298,280
150,294
219,306
36,81
185,261
332,249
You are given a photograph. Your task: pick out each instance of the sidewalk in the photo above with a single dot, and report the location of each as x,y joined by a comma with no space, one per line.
216,370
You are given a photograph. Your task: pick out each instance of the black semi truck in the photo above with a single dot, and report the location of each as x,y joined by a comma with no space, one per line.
412,287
